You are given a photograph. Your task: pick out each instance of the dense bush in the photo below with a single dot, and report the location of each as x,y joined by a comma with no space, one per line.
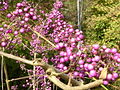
102,22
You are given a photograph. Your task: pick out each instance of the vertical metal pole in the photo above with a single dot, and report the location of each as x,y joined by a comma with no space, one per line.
79,12
79,19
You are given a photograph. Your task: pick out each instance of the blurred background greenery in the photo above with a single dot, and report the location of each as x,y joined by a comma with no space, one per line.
101,23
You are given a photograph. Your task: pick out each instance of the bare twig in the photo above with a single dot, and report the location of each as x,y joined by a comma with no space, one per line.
19,59
44,65
116,87
82,87
6,75
69,82
44,38
26,47
2,66
53,78
15,79
34,85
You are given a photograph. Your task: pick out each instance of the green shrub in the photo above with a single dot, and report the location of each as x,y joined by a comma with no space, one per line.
102,22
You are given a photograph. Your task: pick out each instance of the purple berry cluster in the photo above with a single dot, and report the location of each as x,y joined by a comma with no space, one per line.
58,5
5,5
88,61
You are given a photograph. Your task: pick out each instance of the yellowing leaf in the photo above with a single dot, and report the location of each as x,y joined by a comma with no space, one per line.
103,73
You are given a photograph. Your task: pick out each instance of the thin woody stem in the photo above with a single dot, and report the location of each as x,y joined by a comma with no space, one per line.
15,79
44,38
82,87
2,66
101,84
116,87
6,75
34,85
69,82
5,71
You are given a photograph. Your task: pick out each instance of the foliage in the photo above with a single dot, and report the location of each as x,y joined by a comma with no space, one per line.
102,22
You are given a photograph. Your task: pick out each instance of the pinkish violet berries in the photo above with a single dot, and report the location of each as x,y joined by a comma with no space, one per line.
3,44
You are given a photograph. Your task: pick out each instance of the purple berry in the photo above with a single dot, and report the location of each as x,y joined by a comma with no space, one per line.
62,60
61,45
60,66
56,40
90,67
113,50
32,9
75,73
101,68
31,13
105,82
118,60
22,30
115,75
9,15
20,11
81,36
19,4
109,77
27,15
1,29
93,73
107,50
15,32
3,44
25,9
72,40
96,46
97,58
34,17
81,62
26,19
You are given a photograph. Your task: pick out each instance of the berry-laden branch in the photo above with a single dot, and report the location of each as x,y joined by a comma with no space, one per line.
53,78
25,77
82,87
44,65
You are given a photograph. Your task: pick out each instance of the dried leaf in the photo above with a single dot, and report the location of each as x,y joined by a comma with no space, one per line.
103,74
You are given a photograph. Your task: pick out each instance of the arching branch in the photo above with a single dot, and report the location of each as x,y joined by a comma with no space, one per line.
41,63
54,79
